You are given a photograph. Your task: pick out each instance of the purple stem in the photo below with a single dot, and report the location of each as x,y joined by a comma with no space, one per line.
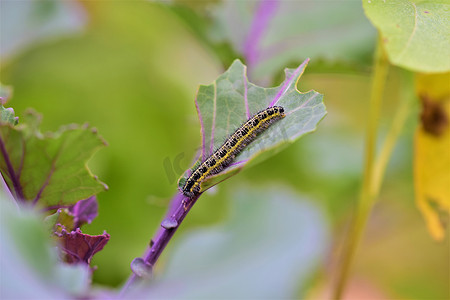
12,174
264,12
168,227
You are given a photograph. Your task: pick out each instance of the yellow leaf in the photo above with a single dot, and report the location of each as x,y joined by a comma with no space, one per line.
432,152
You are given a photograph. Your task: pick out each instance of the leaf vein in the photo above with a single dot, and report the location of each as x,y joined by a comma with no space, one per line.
408,43
211,146
49,175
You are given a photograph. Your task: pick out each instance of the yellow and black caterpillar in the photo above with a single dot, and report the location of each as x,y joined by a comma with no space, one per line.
226,153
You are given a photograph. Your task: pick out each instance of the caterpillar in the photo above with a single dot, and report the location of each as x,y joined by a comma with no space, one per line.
226,153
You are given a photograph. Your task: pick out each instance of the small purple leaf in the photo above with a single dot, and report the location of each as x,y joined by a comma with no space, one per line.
79,247
84,211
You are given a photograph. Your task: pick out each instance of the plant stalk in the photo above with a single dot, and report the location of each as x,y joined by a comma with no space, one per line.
368,194
18,193
387,148
179,208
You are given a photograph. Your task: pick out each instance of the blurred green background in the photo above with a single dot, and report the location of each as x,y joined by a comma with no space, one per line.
131,69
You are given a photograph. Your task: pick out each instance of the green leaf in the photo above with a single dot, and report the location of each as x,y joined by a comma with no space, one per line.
49,169
61,217
222,108
416,34
268,248
51,221
7,116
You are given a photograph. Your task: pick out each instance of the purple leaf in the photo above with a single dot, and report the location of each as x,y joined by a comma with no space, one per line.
84,211
79,247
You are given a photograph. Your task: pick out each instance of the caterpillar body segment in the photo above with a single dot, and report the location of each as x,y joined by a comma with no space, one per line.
226,153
